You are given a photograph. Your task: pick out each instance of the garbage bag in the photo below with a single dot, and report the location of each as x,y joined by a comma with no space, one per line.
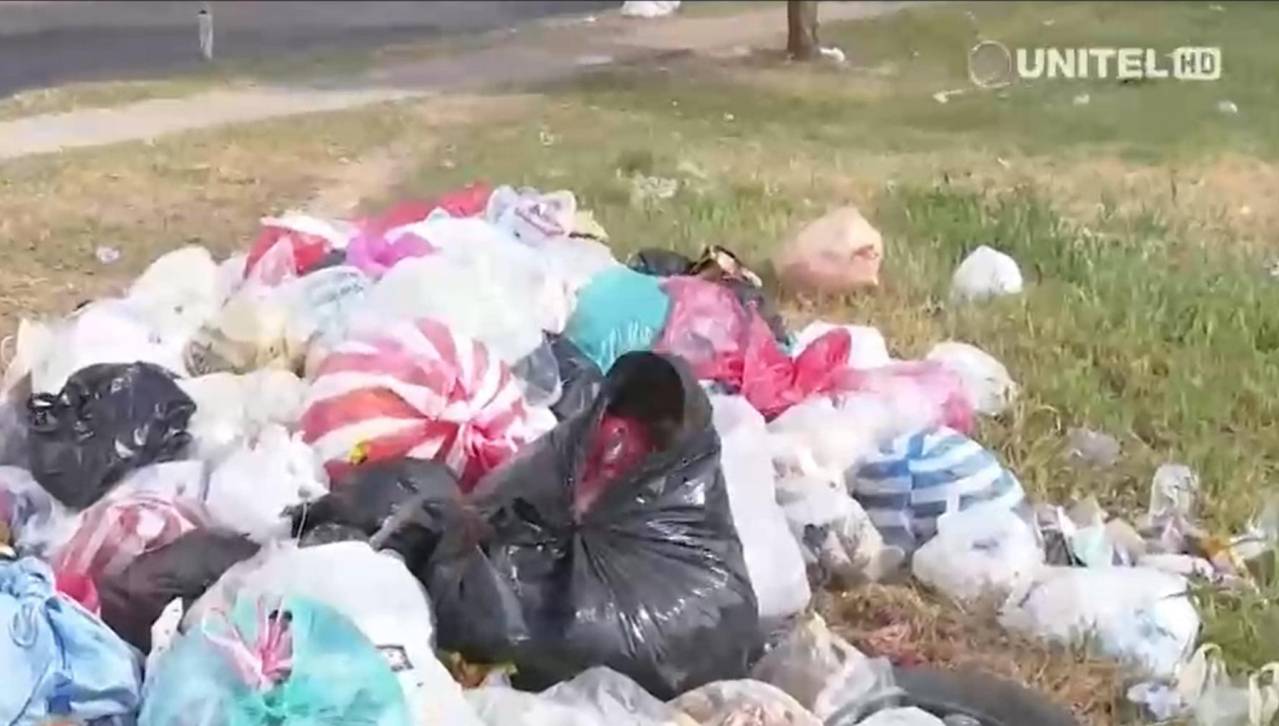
177,294
231,408
539,376
642,572
824,673
719,265
468,201
480,281
133,519
868,348
1215,699
287,660
250,491
133,599
59,662
618,312
380,597
13,432
107,331
925,392
107,420
615,699
838,541
649,8
743,703
35,523
986,380
837,253
580,378
369,495
1134,614
919,477
307,239
773,558
726,342
418,390
250,332
902,717
320,306
987,549
985,273
530,216
375,254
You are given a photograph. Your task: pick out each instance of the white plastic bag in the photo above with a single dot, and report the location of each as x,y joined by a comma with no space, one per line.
868,350
1136,614
231,408
902,717
320,304
38,525
743,703
251,488
531,216
985,273
107,331
497,292
503,706
615,699
379,595
836,536
986,380
823,672
1215,699
178,293
978,551
773,558
248,333
649,8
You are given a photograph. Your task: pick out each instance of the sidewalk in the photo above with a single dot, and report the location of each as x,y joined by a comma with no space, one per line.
510,58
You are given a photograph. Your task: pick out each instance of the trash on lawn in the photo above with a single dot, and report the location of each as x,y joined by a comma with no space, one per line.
1092,448
1227,107
985,273
107,255
392,469
986,380
1146,617
1082,99
836,253
831,53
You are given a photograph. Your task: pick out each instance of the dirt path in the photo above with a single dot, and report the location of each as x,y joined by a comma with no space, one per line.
563,49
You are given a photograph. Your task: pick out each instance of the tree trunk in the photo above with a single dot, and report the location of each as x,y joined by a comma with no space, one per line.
801,23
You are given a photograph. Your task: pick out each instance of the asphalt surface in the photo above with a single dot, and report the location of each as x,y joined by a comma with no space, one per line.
49,43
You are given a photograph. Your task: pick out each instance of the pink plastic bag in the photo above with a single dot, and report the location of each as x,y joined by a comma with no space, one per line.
726,342
934,387
307,241
418,390
374,254
374,251
116,530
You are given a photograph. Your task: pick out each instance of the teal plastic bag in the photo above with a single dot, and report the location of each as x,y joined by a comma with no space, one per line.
292,661
618,312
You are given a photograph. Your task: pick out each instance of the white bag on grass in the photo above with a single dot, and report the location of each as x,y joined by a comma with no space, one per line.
1135,614
868,349
983,550
178,293
107,331
269,472
985,273
986,380
773,558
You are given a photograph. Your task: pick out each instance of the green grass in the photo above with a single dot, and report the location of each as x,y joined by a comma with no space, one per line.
1134,321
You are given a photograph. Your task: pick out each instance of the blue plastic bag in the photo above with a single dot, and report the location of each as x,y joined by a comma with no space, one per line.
618,312
274,661
919,477
56,659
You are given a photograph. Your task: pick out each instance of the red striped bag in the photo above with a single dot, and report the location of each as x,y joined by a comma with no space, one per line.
418,390
123,526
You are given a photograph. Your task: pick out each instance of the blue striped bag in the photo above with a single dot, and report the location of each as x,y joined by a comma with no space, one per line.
917,478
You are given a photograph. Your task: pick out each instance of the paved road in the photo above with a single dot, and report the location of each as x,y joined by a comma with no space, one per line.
48,43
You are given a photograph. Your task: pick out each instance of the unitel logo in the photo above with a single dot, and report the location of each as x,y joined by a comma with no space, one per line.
992,64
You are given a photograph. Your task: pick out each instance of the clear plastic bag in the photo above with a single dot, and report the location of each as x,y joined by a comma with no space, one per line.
985,379
231,408
615,699
252,488
826,674
743,703
773,559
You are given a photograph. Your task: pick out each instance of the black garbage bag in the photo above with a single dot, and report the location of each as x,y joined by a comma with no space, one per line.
585,550
580,378
108,420
659,262
362,501
185,568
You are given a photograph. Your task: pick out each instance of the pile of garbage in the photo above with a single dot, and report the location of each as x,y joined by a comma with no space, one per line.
457,464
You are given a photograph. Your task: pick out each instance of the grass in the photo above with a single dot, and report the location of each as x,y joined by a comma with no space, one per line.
1148,313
